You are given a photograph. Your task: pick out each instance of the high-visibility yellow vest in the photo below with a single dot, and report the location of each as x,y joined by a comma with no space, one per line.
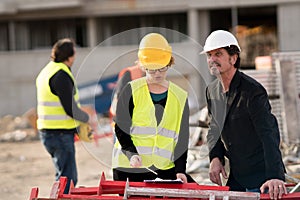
51,114
155,143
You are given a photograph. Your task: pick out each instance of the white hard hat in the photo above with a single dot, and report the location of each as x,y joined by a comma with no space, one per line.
219,39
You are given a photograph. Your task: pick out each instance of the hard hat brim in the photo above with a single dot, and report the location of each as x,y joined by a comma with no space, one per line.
153,66
202,52
205,51
151,58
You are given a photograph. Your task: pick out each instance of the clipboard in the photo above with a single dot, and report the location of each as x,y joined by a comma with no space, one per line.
159,180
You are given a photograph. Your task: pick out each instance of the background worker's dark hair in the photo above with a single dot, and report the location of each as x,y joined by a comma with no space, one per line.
62,50
231,50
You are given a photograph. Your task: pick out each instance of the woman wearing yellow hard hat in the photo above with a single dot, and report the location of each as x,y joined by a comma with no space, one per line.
152,120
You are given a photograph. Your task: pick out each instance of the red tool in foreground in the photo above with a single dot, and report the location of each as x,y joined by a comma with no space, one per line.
109,189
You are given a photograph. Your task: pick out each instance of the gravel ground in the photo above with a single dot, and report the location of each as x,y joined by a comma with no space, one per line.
24,165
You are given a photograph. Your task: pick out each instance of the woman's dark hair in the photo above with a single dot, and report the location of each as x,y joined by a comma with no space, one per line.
172,61
231,50
62,50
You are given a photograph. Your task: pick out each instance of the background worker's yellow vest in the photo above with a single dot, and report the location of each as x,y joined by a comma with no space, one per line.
154,143
51,114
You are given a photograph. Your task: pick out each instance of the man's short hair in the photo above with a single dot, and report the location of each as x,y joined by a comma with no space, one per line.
62,50
231,50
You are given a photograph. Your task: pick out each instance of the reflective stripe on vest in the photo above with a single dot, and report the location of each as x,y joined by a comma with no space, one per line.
51,114
154,143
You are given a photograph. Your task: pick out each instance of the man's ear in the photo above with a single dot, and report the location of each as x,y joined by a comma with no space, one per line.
233,59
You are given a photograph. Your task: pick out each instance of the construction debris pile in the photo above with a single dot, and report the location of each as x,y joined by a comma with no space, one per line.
18,128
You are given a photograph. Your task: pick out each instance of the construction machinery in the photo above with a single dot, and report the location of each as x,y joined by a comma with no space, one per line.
109,189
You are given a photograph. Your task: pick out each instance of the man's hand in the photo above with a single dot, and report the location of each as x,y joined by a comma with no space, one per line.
182,177
276,188
215,168
136,161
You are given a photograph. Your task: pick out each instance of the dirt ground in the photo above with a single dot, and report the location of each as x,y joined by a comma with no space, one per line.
24,162
24,165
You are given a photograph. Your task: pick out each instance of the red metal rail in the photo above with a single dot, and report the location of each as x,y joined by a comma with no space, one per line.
109,189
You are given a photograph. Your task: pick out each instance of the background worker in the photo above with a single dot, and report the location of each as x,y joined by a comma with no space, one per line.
242,127
58,109
152,119
125,75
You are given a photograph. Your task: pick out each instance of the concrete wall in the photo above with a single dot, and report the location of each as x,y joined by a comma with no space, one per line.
19,70
288,16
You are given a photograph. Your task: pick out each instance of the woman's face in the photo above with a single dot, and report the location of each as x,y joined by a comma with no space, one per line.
157,76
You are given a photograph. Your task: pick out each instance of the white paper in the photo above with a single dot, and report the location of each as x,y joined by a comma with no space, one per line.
159,180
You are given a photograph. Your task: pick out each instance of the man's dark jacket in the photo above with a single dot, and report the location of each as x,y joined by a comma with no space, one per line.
249,135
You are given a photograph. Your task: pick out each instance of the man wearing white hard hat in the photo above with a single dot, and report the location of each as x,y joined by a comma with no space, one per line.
242,127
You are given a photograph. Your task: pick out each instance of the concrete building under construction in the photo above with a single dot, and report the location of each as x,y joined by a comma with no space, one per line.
107,33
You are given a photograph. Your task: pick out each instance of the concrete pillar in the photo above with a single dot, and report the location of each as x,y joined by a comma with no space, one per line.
11,36
199,29
92,32
234,19
193,24
204,25
288,17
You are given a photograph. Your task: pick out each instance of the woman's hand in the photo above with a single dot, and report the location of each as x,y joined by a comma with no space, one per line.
182,177
136,161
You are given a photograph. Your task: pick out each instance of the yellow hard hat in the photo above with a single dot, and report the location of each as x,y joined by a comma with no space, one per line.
154,51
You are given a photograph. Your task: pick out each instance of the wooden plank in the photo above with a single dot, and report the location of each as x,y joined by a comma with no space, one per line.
166,192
